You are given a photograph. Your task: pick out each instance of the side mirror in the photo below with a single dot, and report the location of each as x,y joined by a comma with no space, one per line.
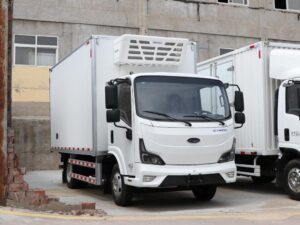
239,101
111,97
239,118
113,116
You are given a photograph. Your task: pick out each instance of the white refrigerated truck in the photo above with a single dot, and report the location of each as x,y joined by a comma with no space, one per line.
130,112
268,146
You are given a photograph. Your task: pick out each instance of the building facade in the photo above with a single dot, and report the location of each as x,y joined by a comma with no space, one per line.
47,30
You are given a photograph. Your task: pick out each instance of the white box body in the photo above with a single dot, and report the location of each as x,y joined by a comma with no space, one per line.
249,67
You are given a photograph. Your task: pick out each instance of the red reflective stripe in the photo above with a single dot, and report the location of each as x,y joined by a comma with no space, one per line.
259,54
243,153
253,153
252,46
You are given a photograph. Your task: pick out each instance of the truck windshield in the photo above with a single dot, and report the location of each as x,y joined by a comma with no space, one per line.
182,98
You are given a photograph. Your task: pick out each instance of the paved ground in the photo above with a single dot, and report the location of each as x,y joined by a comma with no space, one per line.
240,203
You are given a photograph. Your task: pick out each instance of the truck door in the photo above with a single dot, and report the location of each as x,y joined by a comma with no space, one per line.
289,115
121,140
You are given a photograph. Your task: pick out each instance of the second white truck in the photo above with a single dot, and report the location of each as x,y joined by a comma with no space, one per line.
130,112
268,146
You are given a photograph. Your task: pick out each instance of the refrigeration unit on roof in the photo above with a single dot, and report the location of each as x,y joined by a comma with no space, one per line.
149,50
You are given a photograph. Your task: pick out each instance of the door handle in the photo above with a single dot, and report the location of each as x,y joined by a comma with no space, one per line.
287,134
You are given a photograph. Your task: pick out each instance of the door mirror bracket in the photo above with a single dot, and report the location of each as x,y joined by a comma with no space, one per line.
239,118
128,131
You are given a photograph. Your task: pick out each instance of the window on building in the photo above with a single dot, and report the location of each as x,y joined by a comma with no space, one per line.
225,50
239,2
287,4
35,50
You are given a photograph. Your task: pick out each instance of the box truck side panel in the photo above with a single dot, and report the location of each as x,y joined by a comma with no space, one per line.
224,71
249,75
105,70
71,102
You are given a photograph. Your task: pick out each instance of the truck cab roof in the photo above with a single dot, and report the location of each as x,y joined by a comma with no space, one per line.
187,75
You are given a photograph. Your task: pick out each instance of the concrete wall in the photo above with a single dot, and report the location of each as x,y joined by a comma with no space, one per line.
74,20
32,143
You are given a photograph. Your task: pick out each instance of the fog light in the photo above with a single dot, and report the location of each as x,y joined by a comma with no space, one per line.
230,174
148,178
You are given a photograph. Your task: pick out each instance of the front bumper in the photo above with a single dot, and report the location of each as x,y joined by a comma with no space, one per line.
182,176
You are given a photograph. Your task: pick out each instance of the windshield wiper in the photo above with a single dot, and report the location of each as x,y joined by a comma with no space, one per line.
168,116
207,118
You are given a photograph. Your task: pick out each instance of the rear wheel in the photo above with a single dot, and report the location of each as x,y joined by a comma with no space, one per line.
263,179
72,183
292,179
121,192
204,193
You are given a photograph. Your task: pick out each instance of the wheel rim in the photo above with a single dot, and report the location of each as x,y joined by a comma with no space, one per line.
294,180
117,185
69,170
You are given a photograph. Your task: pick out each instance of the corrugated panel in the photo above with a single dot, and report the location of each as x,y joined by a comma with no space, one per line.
249,75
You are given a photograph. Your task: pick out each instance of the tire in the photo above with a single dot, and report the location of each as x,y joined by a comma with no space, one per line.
121,192
263,179
292,179
204,193
72,183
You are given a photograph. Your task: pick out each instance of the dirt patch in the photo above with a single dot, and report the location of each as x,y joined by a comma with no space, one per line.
57,207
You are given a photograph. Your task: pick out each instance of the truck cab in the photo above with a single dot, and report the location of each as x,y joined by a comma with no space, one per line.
284,67
169,130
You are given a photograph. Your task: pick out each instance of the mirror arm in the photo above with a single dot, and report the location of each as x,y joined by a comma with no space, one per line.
120,126
233,85
128,131
239,127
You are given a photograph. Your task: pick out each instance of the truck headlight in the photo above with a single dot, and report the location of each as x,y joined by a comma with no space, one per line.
149,158
230,155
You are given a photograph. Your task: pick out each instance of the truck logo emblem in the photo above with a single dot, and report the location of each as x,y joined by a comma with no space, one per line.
193,140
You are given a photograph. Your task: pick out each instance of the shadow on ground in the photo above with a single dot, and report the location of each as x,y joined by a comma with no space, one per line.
247,185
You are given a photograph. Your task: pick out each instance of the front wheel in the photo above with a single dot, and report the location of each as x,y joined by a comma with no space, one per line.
121,192
292,179
204,193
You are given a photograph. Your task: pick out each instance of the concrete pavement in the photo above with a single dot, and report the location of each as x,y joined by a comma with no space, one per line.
242,197
240,203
